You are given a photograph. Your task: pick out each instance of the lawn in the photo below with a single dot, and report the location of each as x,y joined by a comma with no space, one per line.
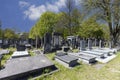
108,71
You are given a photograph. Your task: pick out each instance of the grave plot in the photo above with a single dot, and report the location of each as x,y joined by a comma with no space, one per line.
66,60
20,52
22,68
84,57
97,54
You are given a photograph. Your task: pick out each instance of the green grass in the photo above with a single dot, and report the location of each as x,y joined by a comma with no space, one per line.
110,71
6,57
31,53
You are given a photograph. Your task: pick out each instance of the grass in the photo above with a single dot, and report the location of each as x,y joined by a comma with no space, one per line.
110,71
31,53
6,57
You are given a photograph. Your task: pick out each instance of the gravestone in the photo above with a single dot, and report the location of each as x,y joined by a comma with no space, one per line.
21,47
72,41
56,41
0,61
95,42
82,45
89,44
110,44
1,43
100,44
47,43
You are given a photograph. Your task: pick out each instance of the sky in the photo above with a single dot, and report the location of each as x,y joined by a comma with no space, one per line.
21,15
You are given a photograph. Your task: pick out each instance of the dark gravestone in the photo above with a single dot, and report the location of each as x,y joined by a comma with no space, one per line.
21,47
0,61
1,43
56,41
47,43
82,45
89,44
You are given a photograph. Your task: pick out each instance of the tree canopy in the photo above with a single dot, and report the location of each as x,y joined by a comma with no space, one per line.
109,11
90,29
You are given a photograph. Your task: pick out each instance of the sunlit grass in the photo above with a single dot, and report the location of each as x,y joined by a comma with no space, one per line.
6,57
110,71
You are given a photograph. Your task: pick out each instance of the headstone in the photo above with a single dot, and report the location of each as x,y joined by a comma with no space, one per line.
89,44
100,44
95,42
110,44
47,43
0,61
0,43
21,47
72,41
56,40
82,45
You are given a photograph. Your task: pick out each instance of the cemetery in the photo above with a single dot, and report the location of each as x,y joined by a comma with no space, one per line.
60,40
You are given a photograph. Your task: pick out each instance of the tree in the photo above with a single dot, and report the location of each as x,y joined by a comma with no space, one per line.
109,11
34,33
9,34
90,29
46,23
70,14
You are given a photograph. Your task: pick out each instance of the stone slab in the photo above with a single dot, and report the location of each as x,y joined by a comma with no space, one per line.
20,54
67,58
94,53
106,60
19,67
83,57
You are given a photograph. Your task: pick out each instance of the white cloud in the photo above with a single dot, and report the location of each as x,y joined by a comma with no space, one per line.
23,4
34,12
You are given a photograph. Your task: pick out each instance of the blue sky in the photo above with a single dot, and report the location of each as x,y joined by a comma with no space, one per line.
21,15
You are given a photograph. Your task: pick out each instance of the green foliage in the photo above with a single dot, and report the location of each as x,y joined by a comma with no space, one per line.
108,11
90,29
10,34
46,23
1,33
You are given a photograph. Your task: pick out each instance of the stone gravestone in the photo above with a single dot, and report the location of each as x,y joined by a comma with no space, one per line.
21,47
0,43
0,61
82,45
56,40
47,43
95,42
89,44
110,44
100,44
72,41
